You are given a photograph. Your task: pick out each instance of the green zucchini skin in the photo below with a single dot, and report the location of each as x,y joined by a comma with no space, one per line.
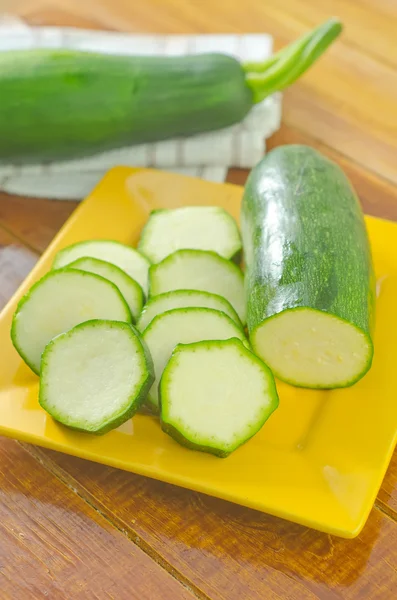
305,240
57,104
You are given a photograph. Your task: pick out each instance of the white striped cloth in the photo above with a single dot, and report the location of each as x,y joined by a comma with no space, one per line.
207,155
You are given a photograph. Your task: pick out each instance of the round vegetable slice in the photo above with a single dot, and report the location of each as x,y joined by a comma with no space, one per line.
184,325
126,258
194,227
59,301
215,395
200,270
183,299
129,288
95,376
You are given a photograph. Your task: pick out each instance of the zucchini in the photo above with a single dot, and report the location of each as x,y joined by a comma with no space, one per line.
95,376
215,395
183,299
59,301
58,104
199,270
184,325
126,258
129,288
310,284
194,227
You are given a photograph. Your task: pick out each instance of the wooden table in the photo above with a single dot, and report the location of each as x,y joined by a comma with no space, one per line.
70,529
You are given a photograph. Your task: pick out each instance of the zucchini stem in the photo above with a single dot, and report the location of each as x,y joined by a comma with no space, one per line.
287,65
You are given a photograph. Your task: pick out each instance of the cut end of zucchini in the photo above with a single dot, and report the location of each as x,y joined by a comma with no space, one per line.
314,349
215,396
194,227
95,376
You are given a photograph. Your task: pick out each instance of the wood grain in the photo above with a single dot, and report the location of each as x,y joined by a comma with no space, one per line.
15,263
71,512
227,550
33,220
55,546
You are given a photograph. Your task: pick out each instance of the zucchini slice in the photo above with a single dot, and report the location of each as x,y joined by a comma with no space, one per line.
184,325
200,270
129,288
95,376
183,299
59,301
194,227
126,258
310,283
215,395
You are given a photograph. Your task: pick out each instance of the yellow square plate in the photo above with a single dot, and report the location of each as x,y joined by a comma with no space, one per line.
321,457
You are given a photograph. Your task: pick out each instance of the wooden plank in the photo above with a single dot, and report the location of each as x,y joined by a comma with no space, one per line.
15,263
54,545
387,497
371,30
34,220
231,552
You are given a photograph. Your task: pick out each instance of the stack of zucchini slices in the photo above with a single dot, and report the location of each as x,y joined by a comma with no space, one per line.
112,328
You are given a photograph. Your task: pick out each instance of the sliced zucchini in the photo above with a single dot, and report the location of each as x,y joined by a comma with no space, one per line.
126,258
184,325
215,395
129,288
183,299
194,227
59,301
200,270
95,376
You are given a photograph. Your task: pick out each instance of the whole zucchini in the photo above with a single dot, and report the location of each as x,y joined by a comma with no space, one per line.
310,284
66,103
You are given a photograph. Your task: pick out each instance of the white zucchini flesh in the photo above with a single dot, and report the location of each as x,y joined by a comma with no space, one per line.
95,376
310,348
129,288
126,258
184,299
184,325
59,301
200,270
194,227
215,395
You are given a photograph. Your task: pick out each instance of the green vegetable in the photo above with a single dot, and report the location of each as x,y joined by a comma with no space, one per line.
184,299
200,270
95,376
126,258
66,103
215,395
194,227
129,288
56,303
184,325
310,286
